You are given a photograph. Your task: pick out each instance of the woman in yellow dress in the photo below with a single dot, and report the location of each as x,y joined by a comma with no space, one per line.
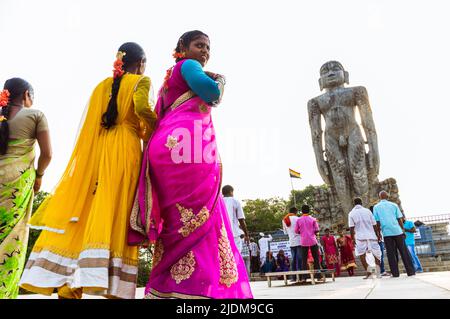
83,247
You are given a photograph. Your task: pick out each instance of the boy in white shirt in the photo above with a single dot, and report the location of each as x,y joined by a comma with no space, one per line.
288,223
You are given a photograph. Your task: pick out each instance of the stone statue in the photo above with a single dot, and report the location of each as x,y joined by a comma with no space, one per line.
340,150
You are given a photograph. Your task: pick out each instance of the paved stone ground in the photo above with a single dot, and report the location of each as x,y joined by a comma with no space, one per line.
433,285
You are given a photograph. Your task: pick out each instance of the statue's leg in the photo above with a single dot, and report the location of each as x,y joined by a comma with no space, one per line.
335,158
358,168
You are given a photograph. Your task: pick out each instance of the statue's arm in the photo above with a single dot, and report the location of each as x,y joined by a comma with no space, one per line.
362,101
316,135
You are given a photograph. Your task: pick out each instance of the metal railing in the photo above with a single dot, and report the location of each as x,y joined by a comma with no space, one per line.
433,219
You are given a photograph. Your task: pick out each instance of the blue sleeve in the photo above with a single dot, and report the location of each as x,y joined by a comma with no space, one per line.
199,81
375,214
408,225
399,213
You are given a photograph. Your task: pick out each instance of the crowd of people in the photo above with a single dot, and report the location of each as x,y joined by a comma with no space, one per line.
370,230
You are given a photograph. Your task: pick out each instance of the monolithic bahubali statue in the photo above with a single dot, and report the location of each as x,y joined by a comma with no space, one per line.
343,161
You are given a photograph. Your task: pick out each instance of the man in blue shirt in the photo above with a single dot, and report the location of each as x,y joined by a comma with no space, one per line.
389,218
410,229
381,243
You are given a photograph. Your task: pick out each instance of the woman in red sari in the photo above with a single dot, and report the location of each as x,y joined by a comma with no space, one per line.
331,252
346,248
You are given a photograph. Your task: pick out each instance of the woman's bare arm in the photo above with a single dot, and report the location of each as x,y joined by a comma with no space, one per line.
45,157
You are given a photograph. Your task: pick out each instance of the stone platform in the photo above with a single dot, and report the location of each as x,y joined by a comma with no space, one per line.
433,285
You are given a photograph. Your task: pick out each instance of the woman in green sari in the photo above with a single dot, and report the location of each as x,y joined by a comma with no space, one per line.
20,127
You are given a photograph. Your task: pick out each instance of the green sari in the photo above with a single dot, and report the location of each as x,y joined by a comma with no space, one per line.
17,176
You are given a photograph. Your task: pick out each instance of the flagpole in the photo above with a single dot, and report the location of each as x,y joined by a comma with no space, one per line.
293,192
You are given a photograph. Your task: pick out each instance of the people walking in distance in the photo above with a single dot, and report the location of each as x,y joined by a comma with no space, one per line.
383,271
389,219
255,262
289,223
346,248
246,255
308,228
331,251
264,246
365,233
237,217
410,230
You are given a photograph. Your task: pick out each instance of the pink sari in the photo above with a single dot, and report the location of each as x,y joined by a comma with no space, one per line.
179,206
331,254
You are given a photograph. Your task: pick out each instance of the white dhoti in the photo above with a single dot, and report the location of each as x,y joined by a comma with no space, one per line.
364,246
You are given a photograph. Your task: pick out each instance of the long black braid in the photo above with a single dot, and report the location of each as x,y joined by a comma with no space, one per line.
133,54
16,87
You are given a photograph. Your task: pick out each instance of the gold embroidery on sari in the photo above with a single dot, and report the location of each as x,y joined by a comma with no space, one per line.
228,267
172,142
203,108
184,268
158,252
148,200
135,221
191,221
182,98
135,218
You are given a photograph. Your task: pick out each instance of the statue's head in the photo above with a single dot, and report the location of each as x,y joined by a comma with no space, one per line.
332,74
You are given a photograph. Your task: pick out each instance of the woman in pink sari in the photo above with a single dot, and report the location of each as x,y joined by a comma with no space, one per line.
178,206
331,252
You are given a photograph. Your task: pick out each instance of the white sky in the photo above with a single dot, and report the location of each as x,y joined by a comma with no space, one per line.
270,52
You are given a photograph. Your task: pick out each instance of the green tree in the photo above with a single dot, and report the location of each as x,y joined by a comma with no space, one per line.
144,265
264,215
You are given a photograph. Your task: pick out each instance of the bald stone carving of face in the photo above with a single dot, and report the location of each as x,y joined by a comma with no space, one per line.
332,74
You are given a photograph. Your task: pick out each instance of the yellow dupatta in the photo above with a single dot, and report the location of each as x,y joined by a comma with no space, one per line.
76,188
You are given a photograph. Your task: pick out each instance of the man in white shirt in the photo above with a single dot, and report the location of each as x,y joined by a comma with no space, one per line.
264,246
288,223
362,222
236,215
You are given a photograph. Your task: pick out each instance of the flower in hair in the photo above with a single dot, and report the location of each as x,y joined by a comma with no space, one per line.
120,55
118,64
167,77
178,55
4,98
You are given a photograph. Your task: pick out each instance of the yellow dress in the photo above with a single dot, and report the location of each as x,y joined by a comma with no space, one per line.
85,222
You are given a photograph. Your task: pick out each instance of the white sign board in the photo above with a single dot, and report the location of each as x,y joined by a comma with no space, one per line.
275,246
417,234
